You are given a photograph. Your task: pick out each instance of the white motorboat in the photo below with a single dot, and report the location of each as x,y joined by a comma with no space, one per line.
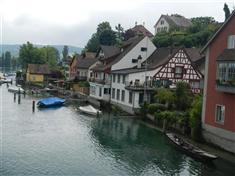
16,89
89,110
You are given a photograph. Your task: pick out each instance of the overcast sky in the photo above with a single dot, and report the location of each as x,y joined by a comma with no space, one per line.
72,22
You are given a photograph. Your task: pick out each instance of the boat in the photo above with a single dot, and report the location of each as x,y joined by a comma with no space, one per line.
50,102
16,89
89,110
189,149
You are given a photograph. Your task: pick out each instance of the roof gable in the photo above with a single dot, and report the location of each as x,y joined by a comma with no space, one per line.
38,69
218,31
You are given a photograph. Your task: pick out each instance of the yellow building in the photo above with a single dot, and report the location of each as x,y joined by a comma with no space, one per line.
37,73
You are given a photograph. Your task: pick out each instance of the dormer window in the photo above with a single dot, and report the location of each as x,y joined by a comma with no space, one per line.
231,41
143,49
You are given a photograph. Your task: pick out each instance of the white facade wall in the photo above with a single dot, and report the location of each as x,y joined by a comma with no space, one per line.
161,27
135,94
126,61
97,91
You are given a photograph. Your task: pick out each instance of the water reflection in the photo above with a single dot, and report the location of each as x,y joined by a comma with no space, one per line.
145,151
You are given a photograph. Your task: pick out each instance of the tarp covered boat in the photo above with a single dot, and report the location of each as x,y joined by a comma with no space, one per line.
49,102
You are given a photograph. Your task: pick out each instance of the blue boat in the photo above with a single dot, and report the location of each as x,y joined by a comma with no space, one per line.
50,102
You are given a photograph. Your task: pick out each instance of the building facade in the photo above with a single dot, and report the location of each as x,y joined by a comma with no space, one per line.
218,116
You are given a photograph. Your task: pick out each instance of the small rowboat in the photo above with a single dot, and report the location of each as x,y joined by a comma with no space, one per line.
190,149
89,110
50,102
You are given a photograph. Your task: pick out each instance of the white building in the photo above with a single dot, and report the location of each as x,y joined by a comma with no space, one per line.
167,22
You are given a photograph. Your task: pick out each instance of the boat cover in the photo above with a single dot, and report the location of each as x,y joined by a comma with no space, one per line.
52,101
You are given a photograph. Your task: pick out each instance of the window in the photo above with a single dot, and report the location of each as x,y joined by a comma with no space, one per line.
118,94
162,22
231,71
123,79
158,29
134,60
231,41
178,72
220,113
123,95
222,71
91,75
96,75
195,85
143,49
119,77
114,77
113,93
165,29
92,90
226,71
100,91
130,97
106,91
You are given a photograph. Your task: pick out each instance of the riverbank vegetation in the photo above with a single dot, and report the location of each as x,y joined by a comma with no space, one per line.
177,109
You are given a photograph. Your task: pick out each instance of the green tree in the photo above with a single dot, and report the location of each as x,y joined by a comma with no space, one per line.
7,60
183,96
226,11
107,37
165,96
65,52
119,33
104,35
29,54
195,118
50,56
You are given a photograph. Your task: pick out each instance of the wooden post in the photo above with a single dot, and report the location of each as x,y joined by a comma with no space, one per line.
24,94
33,105
19,96
14,97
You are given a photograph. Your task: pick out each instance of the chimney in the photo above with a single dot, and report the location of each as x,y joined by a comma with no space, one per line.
139,60
136,23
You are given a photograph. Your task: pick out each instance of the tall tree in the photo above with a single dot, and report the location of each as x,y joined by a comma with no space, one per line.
50,56
119,33
65,52
29,54
226,11
7,62
104,35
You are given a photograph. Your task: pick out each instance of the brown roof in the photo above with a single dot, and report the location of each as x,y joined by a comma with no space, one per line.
125,48
89,55
85,63
109,51
175,20
140,29
38,69
227,55
218,31
161,55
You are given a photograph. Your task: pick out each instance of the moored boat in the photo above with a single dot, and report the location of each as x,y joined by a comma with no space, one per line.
190,149
50,102
16,89
89,110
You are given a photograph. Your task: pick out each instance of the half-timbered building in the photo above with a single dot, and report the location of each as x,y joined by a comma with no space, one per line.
181,65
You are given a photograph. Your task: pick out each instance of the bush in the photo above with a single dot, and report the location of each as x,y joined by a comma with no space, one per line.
152,108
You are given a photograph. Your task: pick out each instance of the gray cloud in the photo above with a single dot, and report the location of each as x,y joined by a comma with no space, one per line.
26,28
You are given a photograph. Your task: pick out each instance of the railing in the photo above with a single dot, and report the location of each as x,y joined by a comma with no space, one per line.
100,81
225,86
137,85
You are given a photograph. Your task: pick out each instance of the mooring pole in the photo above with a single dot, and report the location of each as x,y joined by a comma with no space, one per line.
33,105
14,97
19,96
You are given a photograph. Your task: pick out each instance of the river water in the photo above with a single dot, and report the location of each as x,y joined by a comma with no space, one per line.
62,141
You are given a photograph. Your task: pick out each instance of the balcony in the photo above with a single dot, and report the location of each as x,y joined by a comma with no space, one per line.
139,86
225,86
100,81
